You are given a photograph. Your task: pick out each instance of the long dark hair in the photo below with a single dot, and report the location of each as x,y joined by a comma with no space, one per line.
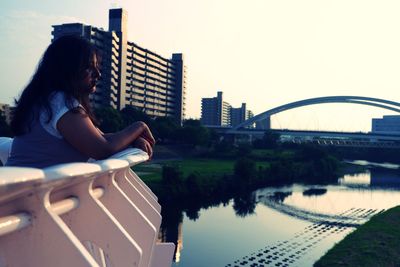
60,69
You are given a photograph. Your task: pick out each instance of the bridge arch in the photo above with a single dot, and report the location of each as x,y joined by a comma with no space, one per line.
370,101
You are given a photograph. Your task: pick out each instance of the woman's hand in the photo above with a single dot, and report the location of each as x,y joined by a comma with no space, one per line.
144,145
147,135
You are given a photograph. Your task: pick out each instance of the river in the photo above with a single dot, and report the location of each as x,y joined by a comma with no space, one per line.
292,225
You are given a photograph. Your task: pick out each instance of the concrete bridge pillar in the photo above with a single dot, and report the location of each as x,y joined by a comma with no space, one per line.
264,124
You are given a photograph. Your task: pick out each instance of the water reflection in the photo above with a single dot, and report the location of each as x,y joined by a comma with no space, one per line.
314,192
280,196
385,178
244,205
347,203
171,228
375,178
356,180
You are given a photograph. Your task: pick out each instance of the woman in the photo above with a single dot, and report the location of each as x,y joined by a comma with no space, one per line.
53,122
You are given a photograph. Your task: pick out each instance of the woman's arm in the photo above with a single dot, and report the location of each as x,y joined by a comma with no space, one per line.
149,138
79,131
140,143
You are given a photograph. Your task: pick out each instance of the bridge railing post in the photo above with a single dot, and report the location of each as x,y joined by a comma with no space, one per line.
80,214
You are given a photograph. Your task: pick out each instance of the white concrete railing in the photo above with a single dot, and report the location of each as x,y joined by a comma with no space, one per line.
80,214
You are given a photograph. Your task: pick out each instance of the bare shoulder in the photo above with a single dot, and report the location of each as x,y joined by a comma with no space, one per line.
74,119
78,110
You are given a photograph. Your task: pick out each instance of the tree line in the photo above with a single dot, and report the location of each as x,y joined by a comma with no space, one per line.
165,129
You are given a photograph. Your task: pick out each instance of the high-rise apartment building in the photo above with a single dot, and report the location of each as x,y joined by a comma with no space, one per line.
239,115
215,111
389,124
132,75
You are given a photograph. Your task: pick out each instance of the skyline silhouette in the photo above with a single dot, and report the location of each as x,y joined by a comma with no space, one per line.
262,53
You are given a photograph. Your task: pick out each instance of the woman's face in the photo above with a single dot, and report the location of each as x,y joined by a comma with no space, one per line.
90,76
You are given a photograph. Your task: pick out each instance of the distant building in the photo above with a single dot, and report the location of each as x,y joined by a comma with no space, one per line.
5,110
389,124
239,115
215,111
132,75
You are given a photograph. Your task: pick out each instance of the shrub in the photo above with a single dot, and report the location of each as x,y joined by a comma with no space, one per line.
245,171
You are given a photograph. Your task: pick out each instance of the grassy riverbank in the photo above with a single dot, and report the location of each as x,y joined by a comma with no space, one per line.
151,173
236,171
376,243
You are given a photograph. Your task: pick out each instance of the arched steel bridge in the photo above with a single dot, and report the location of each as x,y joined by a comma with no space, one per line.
376,102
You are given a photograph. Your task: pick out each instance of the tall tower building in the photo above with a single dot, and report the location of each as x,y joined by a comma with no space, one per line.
389,124
132,75
118,23
215,111
239,115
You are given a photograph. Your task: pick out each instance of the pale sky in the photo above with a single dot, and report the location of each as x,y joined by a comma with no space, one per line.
264,53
